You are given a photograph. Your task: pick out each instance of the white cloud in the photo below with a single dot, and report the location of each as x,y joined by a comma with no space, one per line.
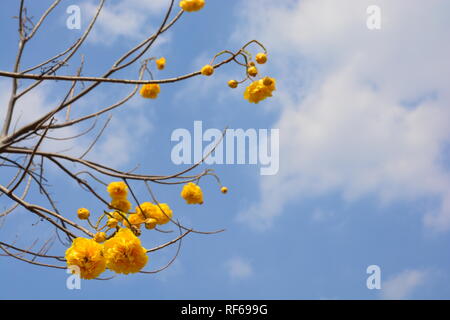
33,105
131,19
320,215
362,112
113,148
403,285
239,268
120,143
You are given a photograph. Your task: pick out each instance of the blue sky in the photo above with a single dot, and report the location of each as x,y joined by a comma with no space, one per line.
364,163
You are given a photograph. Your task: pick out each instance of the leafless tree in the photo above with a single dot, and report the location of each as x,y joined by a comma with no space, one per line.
24,163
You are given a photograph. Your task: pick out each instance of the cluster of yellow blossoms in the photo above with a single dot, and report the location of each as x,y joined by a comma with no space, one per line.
87,255
122,251
150,214
258,90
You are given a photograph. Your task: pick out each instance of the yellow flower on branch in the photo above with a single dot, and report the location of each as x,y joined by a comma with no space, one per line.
100,237
112,223
192,5
259,90
261,58
252,71
161,63
87,255
150,223
135,219
150,90
117,215
233,84
124,253
83,213
121,204
162,213
117,190
192,193
207,70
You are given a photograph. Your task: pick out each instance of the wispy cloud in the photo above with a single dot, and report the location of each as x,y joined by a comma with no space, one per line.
33,105
239,268
403,285
345,125
130,19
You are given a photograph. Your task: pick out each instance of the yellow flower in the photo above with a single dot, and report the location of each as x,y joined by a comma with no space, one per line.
192,5
87,255
83,213
121,204
100,237
150,90
259,90
133,223
207,70
144,210
268,81
112,223
161,63
192,193
252,71
124,253
135,218
224,189
150,223
261,58
162,213
117,215
117,190
233,84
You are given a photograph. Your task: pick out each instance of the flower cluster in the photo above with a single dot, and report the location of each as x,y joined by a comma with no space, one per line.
150,214
117,190
87,255
121,251
124,253
259,90
255,92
